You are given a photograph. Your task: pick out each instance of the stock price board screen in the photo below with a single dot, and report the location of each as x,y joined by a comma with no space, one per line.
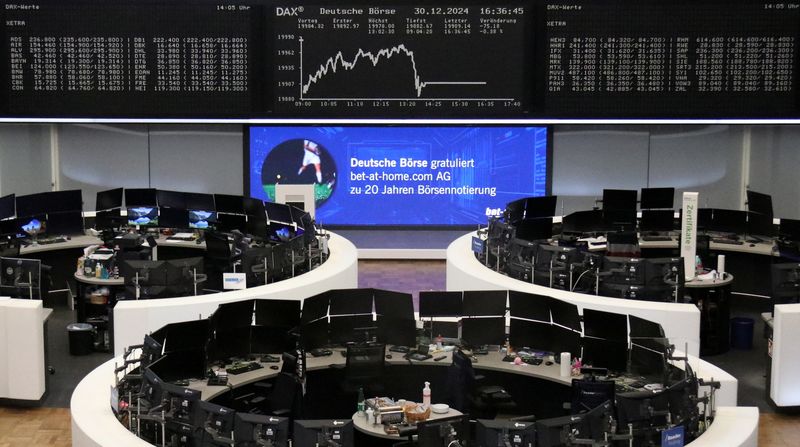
144,58
387,59
670,59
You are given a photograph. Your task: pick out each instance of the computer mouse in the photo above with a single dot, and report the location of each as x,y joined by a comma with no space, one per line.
752,245
275,367
389,356
548,363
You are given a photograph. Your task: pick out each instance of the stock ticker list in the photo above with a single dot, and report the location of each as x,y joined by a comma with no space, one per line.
397,60
677,58
110,58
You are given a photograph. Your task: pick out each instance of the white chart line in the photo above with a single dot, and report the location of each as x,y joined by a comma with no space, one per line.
407,99
337,61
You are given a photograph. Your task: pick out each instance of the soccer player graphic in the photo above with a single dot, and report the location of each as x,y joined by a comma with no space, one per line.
311,156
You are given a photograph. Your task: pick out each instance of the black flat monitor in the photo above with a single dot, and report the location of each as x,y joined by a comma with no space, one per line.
32,225
226,203
7,206
728,221
314,334
257,225
534,229
20,278
351,301
31,204
255,430
619,207
565,340
397,331
620,270
171,199
529,306
215,424
789,229
68,222
580,222
495,432
63,201
394,304
352,328
186,335
270,339
704,217
315,307
152,350
642,409
151,388
785,281
279,232
657,198
480,331
603,353
202,219
605,325
233,315
199,201
530,334
484,303
278,212
444,432
564,313
626,291
229,222
761,225
544,206
759,203
108,200
135,197
641,328
180,402
648,358
108,219
143,216
181,365
554,256
657,220
578,429
320,432
147,273
440,304
515,211
664,279
281,313
230,344
255,207
182,274
258,265
173,218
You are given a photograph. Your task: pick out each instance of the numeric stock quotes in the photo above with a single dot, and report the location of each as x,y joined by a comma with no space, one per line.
465,59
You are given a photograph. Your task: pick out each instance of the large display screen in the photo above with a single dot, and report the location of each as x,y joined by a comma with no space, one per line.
401,176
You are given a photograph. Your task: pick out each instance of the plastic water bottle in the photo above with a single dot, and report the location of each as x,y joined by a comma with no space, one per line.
426,395
361,402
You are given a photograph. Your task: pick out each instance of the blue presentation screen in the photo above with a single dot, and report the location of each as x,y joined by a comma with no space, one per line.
401,175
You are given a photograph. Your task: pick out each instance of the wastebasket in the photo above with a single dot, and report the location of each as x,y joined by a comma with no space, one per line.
742,333
81,338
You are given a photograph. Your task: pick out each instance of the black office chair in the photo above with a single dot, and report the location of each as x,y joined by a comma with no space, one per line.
364,368
588,394
464,393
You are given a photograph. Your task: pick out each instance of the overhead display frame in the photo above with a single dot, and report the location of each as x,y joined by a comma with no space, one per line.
254,60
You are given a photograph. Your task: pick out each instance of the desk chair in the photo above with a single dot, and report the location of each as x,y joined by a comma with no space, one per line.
364,368
465,395
588,394
284,399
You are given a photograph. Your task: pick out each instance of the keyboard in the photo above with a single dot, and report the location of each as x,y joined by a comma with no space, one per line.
419,357
243,368
181,238
403,349
54,240
320,352
532,360
656,238
726,241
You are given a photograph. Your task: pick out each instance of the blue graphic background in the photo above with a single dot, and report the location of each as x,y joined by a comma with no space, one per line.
512,159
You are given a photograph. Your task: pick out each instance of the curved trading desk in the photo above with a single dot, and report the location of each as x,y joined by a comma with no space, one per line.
681,322
94,423
132,318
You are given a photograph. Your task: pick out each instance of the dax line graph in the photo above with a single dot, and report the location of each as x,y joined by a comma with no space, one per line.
334,63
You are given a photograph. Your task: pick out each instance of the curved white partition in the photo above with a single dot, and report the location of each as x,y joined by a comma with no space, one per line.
681,322
133,319
733,426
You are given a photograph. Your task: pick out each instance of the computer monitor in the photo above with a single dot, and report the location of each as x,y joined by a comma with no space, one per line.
484,303
109,199
233,315
229,222
255,430
564,313
352,328
728,221
761,225
255,207
495,432
648,358
530,334
657,220
577,429
529,306
278,212
515,211
440,304
171,199
393,304
314,334
7,206
641,328
619,270
204,219
144,216
258,265
704,216
315,307
626,291
135,197
181,365
605,353
657,198
320,432
152,350
351,301
32,225
643,410
31,204
230,343
20,278
664,280
231,204
151,388
534,229
257,226
179,402
147,273
396,331
531,208
605,325
173,218
580,222
215,424
480,331
282,313
68,222
108,219
444,432
270,339
185,276
279,232
619,207
565,340
759,203
63,201
789,229
186,335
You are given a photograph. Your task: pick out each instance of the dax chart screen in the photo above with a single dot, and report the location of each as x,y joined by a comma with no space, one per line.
403,175
421,60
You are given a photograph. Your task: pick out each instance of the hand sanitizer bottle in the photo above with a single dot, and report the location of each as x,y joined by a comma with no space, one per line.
426,395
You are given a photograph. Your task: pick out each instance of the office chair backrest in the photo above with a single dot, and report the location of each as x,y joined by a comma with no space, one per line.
217,246
365,362
285,394
588,394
